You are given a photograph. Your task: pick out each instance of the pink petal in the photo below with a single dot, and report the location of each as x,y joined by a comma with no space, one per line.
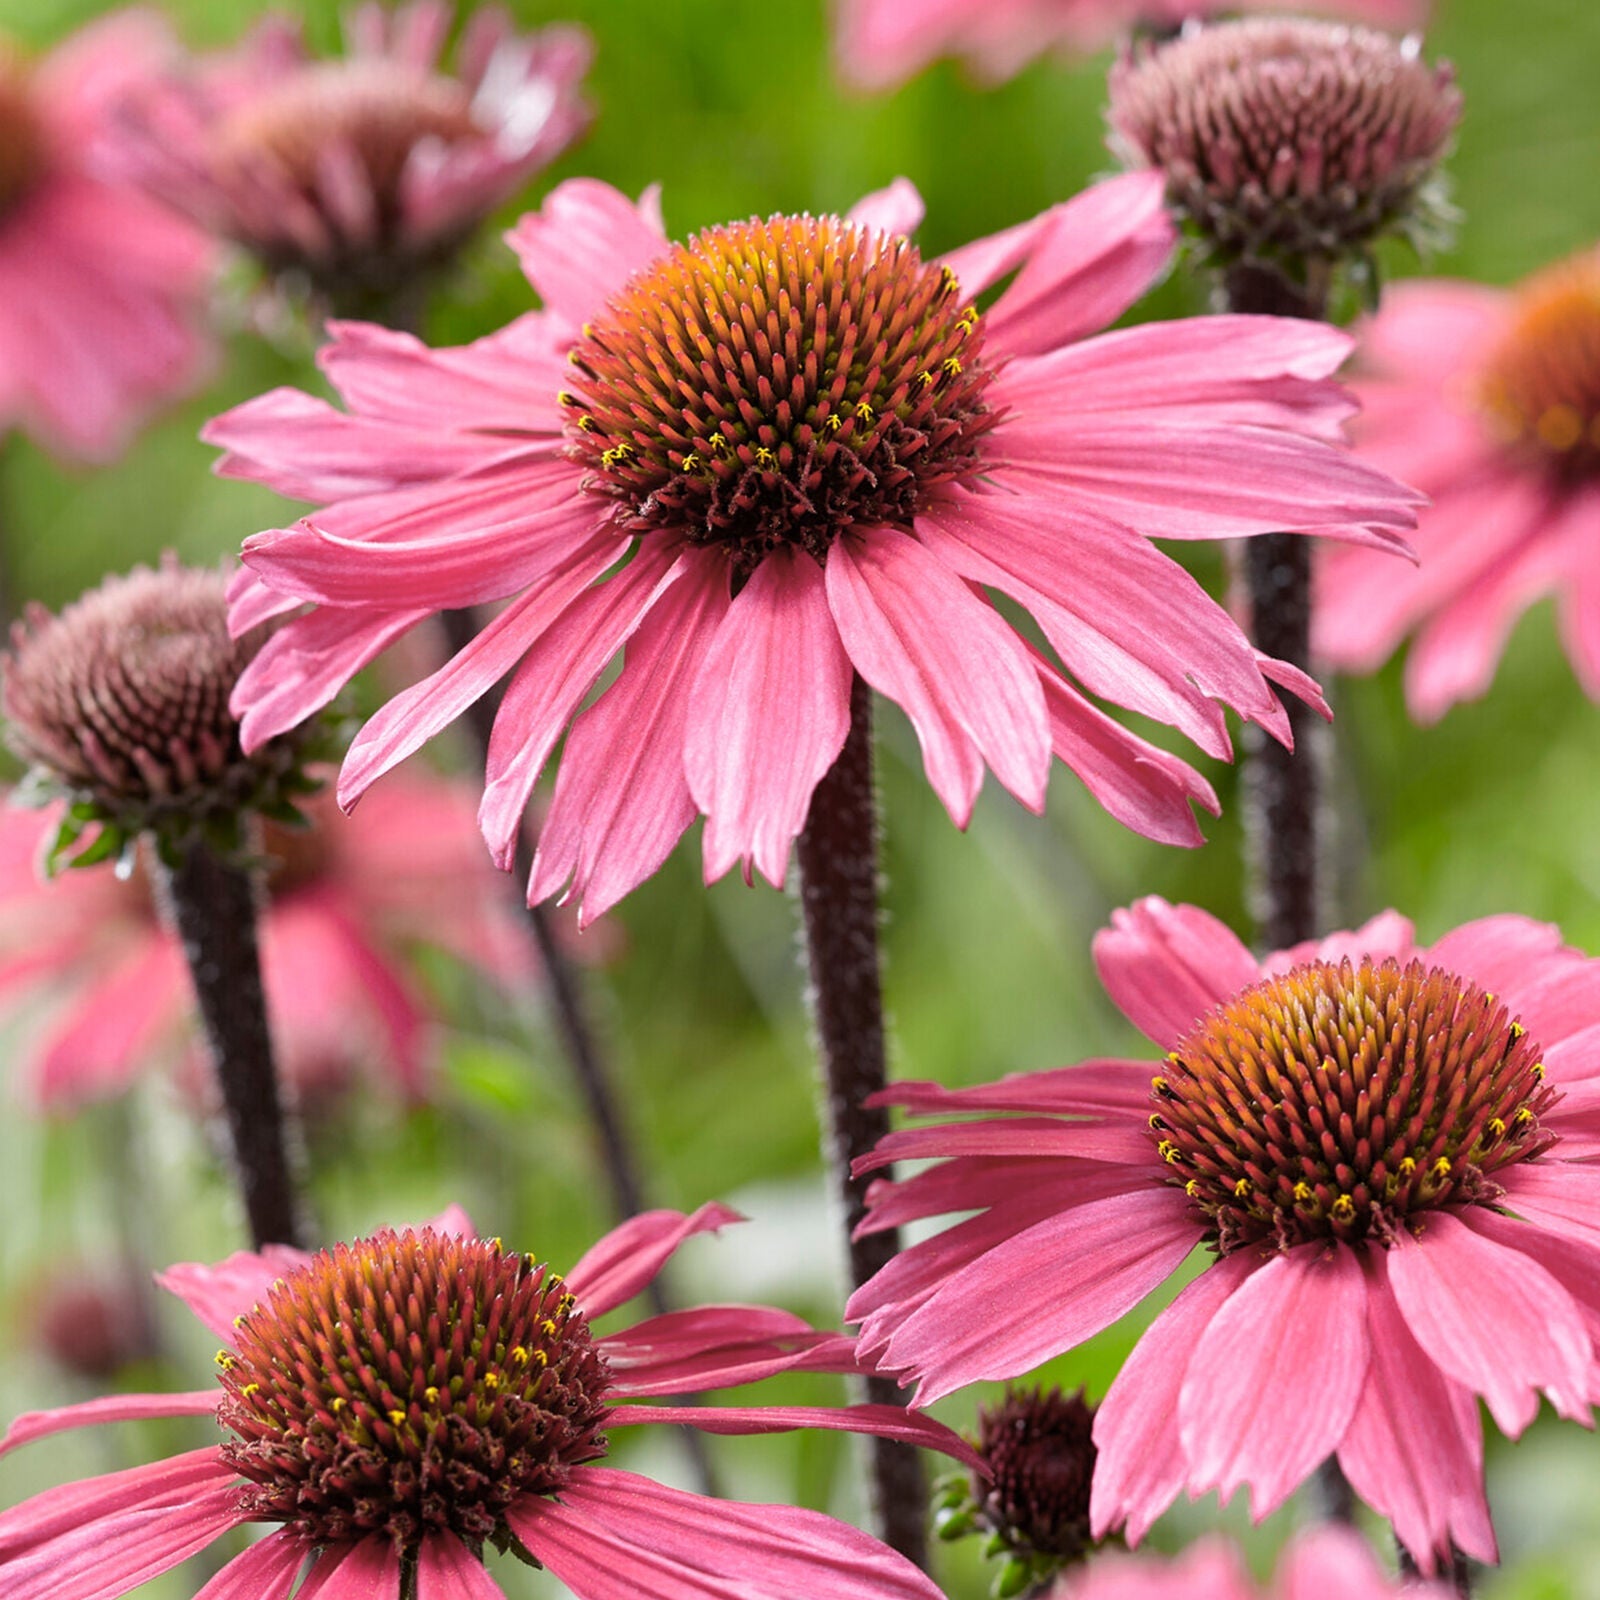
1143,786
616,1536
621,800
217,1294
1276,1377
1414,1449
1492,1319
1431,328
369,1571
1139,1465
1562,1196
1330,1560
583,244
768,715
917,634
447,1570
1063,1280
1167,966
1089,1088
895,210
708,1347
558,669
617,1267
1015,1136
31,1425
882,1421
266,1571
1385,935
409,719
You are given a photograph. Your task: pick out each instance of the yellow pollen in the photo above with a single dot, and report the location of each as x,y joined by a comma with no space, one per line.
925,379
567,398
548,1328
691,462
764,457
1343,1209
1160,1086
951,367
1407,1166
968,320
1523,1118
1192,1188
864,411
250,1389
832,422
339,1403
1441,1168
1169,1152
718,444
431,1395
1517,1030
1538,1071
1304,1194
223,1359
491,1381
1497,1127
1243,1189
397,1418
541,1358
587,424
519,1355
1156,1124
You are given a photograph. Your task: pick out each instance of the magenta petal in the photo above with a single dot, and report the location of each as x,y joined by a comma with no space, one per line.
1166,966
1329,1560
917,634
1561,1196
447,1570
1088,1088
1139,1466
712,1347
1062,1280
768,715
883,1421
621,800
617,1536
615,1268
266,1571
1276,1376
370,1570
1414,1449
1492,1319
33,1425
217,1294
897,209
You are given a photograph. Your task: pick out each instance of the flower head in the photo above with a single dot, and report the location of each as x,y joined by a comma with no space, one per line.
883,42
91,1321
1490,400
1322,1561
360,175
100,321
1286,141
394,1405
121,704
1385,1147
783,453
86,958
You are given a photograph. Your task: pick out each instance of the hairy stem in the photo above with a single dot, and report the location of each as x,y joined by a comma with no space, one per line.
212,904
839,902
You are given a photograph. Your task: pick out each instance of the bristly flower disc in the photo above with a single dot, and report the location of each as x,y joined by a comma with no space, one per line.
778,382
1345,1101
408,1384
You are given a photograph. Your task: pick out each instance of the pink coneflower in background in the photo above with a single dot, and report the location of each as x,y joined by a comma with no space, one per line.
1324,1563
376,1468
1387,1148
346,906
817,453
101,289
881,43
362,175
1490,400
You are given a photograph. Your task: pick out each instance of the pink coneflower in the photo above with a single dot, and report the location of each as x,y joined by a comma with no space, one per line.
361,175
1320,1564
1490,400
394,1405
346,905
782,454
1386,1148
883,42
101,289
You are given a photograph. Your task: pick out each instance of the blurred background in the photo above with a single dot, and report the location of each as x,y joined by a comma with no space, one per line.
735,108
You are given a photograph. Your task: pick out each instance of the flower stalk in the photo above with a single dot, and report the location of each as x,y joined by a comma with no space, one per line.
212,905
838,853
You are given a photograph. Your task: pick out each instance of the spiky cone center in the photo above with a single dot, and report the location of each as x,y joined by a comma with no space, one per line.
1540,389
23,145
1344,1101
377,109
1038,1446
407,1384
1285,138
121,702
777,382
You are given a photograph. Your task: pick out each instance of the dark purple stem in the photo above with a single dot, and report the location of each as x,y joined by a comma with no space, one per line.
1456,1572
212,904
839,901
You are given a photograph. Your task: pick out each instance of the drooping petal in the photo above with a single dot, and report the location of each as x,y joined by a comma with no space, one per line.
31,1425
368,1571
768,715
266,1571
1276,1377
616,1268
217,1294
617,1536
1139,1463
1088,1088
708,1347
447,1570
1562,1196
1492,1319
1166,966
917,634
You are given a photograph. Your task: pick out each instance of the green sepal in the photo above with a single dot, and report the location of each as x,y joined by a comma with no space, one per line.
952,1523
1015,1576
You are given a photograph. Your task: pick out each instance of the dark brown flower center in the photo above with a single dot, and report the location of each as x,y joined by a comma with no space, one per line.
1541,388
778,382
410,1383
1304,138
1342,1101
1039,1448
376,109
22,139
